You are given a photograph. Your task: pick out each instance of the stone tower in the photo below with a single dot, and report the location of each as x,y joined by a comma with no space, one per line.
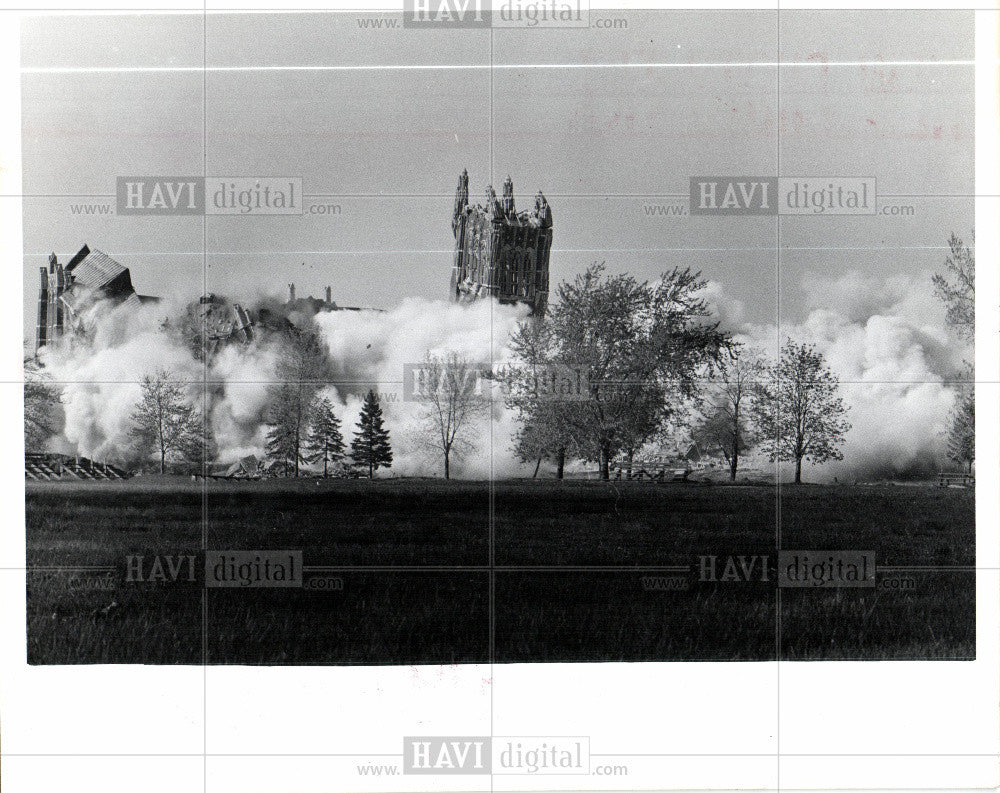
499,252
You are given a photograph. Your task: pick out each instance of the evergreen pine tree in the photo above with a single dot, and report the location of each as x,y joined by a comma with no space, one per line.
300,369
325,441
284,428
370,446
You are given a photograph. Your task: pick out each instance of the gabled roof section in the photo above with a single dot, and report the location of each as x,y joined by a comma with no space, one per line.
77,258
97,270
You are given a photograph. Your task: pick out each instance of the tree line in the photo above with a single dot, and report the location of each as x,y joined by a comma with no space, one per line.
302,429
656,363
651,361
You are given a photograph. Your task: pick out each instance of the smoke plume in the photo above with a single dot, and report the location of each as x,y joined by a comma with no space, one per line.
100,375
887,343
896,360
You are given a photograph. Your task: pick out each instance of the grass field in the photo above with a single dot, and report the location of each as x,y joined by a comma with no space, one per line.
570,571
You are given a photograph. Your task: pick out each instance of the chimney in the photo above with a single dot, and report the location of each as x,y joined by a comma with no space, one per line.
291,293
329,294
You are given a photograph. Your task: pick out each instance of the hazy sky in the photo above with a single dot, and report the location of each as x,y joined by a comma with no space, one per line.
558,112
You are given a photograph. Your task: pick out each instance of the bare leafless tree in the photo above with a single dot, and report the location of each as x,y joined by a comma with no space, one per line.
450,387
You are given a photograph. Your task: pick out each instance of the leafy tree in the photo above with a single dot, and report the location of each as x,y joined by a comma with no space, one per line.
725,424
286,421
165,421
962,432
532,445
449,389
797,409
200,447
41,399
639,347
547,424
370,446
300,371
957,288
962,436
324,441
542,436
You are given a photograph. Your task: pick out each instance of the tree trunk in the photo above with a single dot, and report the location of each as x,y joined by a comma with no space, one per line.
537,466
631,454
798,470
734,461
447,471
605,463
163,460
371,469
560,463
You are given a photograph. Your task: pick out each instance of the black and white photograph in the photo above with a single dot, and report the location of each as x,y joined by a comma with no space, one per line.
460,339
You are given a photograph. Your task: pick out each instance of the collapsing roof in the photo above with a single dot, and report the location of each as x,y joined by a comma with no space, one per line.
67,290
97,270
248,467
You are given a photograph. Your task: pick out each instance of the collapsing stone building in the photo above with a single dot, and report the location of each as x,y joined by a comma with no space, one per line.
66,291
499,252
214,321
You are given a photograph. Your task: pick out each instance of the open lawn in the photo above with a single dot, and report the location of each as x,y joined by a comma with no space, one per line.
571,571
